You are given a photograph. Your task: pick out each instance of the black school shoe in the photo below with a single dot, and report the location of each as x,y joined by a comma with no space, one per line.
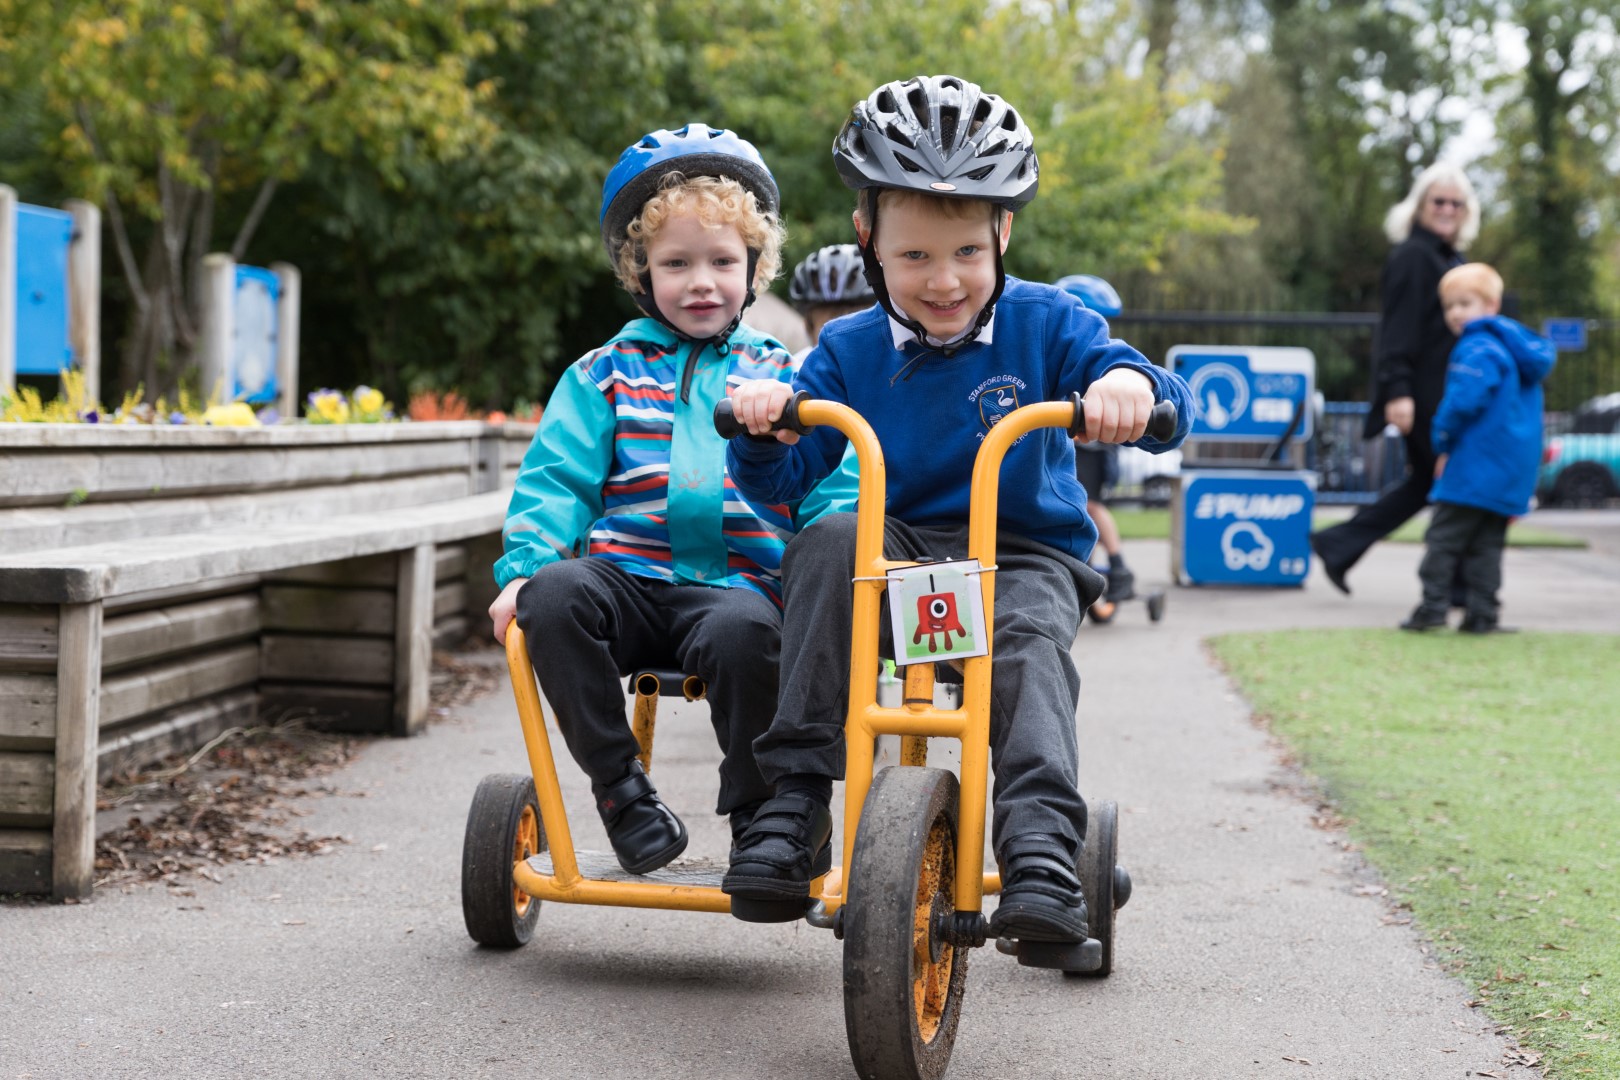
788,843
1040,894
645,833
1335,573
1482,624
1423,619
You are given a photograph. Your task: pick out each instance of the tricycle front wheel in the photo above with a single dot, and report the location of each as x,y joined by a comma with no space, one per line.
903,981
503,829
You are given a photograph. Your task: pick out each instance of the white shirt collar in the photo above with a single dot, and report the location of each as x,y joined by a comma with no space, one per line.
903,336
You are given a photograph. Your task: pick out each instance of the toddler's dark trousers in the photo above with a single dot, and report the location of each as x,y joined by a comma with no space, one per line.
1465,542
588,623
1035,687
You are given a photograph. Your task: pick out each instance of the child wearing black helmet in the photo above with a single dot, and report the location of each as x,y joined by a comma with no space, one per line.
829,284
625,545
941,166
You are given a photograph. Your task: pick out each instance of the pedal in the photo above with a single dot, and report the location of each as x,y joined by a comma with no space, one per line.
1055,955
771,911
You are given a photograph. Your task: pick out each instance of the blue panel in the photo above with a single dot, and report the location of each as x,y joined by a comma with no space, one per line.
1247,394
1246,528
253,350
43,237
1568,335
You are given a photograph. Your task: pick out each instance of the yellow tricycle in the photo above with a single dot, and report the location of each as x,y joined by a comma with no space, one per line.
906,897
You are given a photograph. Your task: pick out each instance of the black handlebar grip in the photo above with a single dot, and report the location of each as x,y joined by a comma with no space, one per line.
729,427
1161,423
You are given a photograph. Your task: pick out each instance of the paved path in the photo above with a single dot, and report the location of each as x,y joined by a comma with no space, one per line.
1250,948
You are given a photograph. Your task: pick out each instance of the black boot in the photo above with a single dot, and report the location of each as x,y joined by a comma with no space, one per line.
788,843
1423,618
645,833
1040,893
1121,582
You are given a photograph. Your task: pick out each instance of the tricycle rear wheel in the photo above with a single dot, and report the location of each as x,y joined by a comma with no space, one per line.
503,828
903,982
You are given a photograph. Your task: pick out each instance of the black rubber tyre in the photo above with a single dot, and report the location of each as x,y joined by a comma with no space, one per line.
1155,606
902,984
1585,483
503,828
1097,879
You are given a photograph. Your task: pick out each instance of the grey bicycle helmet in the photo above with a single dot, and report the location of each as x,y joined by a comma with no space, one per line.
943,136
834,274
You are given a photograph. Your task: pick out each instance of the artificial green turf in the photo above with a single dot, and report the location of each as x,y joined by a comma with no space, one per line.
1482,777
1153,523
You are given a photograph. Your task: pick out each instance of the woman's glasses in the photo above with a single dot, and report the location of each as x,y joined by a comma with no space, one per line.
1442,202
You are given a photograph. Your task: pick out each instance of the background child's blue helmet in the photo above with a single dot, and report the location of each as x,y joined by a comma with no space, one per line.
694,150
1093,292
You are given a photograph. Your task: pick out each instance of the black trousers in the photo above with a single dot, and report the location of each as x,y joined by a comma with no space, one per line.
1040,595
589,623
1463,542
1342,545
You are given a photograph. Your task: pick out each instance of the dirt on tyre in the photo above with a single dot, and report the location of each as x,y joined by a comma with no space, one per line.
903,982
503,828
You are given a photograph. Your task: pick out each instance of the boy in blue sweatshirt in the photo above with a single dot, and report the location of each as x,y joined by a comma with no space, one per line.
955,345
626,545
1487,438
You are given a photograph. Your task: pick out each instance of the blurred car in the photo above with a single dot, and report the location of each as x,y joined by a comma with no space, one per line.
1581,467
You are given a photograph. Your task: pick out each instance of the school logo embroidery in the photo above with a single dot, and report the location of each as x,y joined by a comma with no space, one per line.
997,397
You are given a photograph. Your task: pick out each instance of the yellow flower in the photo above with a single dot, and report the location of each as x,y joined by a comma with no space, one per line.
235,414
367,400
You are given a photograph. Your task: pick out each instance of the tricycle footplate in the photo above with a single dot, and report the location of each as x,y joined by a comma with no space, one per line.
603,866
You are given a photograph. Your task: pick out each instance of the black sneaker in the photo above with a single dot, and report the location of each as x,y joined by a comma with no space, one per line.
1483,624
1423,619
645,833
1040,893
1121,584
788,843
1335,573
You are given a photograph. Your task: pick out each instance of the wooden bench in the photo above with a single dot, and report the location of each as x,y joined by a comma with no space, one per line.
179,595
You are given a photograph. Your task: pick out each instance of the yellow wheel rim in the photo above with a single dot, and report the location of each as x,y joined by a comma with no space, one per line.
930,978
525,844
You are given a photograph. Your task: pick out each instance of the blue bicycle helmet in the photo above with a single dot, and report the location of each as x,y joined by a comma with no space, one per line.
693,150
1093,292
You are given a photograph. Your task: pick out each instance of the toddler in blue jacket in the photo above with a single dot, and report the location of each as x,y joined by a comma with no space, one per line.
954,346
1487,438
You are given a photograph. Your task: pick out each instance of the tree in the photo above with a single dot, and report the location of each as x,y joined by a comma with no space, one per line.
180,117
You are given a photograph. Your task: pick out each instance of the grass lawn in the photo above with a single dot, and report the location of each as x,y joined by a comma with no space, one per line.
1153,523
1482,777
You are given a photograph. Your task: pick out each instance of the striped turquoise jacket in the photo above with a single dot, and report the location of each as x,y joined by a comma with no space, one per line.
622,469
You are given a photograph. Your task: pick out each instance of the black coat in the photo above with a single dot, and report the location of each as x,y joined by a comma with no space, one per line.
1413,345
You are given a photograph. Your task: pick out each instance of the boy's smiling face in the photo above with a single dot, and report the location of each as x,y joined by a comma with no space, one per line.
699,274
1463,306
940,269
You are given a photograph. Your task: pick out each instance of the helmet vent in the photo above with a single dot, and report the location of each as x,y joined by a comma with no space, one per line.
885,101
1009,120
907,164
947,128
898,134
919,104
982,112
980,174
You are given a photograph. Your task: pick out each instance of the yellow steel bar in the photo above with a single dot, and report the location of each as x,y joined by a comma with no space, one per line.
976,677
645,719
532,718
941,723
869,570
914,750
639,894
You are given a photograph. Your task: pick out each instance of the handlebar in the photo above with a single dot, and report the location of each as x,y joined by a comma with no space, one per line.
1161,424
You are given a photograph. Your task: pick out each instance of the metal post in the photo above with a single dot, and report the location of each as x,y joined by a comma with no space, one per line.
84,293
8,287
218,327
287,338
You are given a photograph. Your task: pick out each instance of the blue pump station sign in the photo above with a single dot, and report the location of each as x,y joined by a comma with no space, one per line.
1246,527
1247,393
43,238
255,330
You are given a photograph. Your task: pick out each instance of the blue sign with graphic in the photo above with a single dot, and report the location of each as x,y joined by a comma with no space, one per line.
1568,335
254,332
1247,393
43,239
1246,527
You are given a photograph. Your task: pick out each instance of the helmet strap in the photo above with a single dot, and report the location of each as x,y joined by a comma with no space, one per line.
874,278
721,341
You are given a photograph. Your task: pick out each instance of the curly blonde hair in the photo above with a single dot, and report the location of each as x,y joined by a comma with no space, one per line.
716,201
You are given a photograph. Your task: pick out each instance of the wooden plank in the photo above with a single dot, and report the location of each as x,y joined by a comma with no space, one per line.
450,561
175,730
145,635
452,631
190,591
482,554
27,637
138,691
334,708
25,861
373,570
78,718
413,639
336,611
449,599
27,711
328,658
26,788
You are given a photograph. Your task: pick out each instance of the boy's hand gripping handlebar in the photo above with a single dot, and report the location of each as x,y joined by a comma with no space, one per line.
1161,424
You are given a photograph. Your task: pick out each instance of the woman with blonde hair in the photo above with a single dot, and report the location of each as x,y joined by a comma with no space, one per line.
1436,221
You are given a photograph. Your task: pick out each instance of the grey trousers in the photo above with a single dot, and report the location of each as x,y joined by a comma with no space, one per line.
589,623
1040,595
1463,542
